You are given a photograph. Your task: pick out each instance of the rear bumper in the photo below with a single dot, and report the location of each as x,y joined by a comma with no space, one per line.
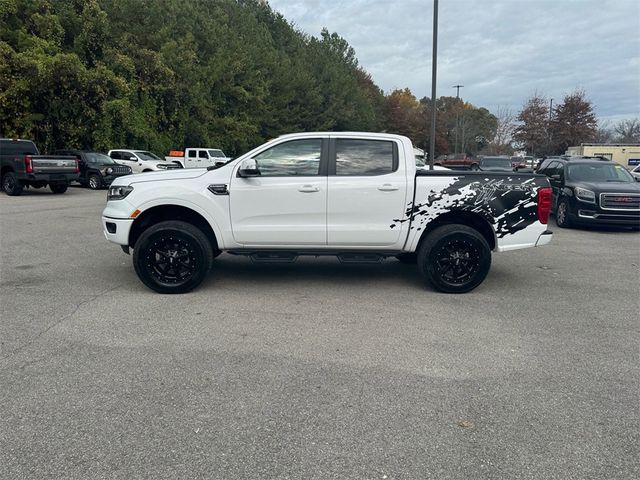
50,177
545,238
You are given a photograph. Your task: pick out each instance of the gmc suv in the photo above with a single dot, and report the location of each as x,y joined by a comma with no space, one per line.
592,191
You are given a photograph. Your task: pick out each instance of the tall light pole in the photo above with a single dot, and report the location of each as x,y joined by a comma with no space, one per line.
549,127
434,70
455,142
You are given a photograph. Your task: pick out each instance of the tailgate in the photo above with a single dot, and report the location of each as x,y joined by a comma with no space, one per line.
53,164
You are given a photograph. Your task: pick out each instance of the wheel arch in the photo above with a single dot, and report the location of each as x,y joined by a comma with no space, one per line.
6,169
462,217
161,213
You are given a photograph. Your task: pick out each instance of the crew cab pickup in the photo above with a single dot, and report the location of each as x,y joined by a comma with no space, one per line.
197,157
358,196
21,165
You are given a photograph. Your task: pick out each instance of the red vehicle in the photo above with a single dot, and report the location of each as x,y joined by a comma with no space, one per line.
457,160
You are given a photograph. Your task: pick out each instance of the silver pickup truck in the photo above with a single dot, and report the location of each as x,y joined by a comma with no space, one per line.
22,166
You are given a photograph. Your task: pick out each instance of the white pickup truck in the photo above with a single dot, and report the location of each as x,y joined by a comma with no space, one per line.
358,196
198,157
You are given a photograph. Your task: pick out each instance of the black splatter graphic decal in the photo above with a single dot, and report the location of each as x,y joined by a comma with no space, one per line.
506,202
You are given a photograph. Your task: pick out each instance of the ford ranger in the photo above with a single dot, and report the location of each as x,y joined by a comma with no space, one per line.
357,196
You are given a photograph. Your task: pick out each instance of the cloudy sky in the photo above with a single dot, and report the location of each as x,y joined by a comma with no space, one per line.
500,50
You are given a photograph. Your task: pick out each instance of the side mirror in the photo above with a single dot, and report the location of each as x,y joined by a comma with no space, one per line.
133,158
248,168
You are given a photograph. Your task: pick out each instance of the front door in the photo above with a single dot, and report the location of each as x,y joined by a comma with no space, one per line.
367,190
286,204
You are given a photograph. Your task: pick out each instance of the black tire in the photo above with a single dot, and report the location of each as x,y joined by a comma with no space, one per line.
95,182
454,258
562,214
408,258
58,187
11,185
172,241
475,167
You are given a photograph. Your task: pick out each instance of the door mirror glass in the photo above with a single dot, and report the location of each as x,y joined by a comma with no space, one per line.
248,168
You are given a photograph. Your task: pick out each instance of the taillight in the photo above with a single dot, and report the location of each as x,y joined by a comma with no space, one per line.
544,204
77,166
28,165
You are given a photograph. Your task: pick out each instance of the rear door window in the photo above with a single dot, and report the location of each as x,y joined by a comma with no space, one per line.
18,147
359,158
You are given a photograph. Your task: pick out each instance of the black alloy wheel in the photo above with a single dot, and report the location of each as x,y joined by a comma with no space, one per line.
95,182
562,214
172,257
11,185
454,258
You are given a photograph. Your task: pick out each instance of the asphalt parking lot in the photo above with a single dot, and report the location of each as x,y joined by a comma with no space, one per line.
313,369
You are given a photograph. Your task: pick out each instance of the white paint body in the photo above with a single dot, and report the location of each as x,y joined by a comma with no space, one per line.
298,213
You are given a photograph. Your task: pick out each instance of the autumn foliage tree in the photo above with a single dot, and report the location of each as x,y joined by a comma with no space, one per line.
532,132
573,122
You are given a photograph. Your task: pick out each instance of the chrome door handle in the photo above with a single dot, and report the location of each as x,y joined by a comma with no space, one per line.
308,189
387,187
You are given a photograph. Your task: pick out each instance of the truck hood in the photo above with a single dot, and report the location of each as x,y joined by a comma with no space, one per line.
178,174
610,187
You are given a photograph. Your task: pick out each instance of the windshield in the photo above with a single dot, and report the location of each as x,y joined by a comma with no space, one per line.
599,172
100,158
496,162
217,153
147,156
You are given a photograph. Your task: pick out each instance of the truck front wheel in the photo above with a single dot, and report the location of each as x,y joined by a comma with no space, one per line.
172,257
454,258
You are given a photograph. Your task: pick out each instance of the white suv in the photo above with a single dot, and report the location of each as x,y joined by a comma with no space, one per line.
141,160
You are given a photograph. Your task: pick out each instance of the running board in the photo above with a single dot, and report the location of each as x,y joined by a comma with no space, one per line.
360,257
270,257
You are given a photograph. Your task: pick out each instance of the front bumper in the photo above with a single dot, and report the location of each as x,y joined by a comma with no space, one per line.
598,217
116,230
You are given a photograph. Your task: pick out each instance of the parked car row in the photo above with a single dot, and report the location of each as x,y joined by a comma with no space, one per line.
22,166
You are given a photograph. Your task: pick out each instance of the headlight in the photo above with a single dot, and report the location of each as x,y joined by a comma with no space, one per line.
118,192
109,171
585,195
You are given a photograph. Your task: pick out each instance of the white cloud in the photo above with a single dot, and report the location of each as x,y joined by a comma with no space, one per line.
500,50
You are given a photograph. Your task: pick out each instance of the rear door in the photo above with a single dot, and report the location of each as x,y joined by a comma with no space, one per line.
367,189
286,204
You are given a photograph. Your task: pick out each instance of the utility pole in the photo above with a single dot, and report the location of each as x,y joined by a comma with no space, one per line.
549,126
434,69
455,142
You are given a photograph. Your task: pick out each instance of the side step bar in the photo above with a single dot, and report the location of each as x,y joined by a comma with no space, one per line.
360,257
267,257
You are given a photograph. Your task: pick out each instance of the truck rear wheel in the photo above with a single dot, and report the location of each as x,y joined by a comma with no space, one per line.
454,258
11,185
172,257
58,187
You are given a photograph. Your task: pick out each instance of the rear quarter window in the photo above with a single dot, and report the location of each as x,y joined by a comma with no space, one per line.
20,147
